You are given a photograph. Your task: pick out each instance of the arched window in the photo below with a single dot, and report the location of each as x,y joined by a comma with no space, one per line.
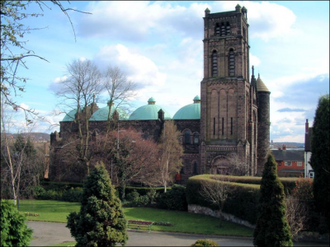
231,62
187,137
227,28
196,138
217,29
214,63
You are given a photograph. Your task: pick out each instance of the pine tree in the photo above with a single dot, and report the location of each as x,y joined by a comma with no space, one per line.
320,158
101,221
272,228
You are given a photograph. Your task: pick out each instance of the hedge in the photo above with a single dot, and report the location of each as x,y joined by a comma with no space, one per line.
242,200
288,183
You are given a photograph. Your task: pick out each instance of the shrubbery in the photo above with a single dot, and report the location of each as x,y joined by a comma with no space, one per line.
14,231
241,202
204,243
69,195
174,199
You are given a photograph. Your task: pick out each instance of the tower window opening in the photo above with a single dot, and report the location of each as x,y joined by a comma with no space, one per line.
223,29
223,126
214,63
217,29
227,28
231,126
231,62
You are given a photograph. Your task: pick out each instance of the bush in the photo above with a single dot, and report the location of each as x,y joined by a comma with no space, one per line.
101,220
242,198
174,199
132,196
72,195
14,231
50,195
204,242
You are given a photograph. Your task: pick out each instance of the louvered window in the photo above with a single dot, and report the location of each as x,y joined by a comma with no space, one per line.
227,28
223,29
231,62
214,63
217,29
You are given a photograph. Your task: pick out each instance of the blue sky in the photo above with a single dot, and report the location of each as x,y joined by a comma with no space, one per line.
159,46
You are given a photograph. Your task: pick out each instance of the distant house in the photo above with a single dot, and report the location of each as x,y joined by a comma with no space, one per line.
290,163
309,173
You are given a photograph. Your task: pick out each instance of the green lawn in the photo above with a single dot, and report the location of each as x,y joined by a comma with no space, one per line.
57,211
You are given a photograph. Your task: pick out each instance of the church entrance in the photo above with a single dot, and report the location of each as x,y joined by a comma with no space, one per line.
220,165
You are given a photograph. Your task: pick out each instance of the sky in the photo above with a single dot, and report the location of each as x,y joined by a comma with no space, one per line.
158,45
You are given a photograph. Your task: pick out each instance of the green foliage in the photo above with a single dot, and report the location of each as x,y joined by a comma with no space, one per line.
320,158
204,243
272,228
101,221
14,231
72,195
242,198
304,189
174,199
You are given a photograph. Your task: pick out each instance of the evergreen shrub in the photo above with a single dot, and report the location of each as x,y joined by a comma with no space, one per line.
174,199
14,231
101,220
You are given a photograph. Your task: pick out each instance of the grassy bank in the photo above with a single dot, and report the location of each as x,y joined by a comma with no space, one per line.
57,211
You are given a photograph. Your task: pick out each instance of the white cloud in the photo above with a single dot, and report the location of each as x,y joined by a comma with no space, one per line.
138,68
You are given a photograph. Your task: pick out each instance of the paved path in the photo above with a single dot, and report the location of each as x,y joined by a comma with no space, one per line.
48,233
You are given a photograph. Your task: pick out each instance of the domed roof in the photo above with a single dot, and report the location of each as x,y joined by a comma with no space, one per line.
192,111
70,116
261,87
149,112
102,114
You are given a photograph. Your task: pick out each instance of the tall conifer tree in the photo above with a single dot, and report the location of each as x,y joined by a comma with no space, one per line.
272,228
320,159
101,221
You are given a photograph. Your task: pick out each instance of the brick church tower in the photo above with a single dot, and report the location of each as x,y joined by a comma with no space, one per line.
229,102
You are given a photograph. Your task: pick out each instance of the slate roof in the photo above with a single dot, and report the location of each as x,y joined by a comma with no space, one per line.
288,155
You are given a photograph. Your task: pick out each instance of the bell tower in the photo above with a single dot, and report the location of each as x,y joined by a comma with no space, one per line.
225,93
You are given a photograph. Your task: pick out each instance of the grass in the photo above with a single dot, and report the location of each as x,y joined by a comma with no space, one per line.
184,222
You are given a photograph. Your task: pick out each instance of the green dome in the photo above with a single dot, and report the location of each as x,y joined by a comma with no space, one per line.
69,117
102,114
192,111
149,112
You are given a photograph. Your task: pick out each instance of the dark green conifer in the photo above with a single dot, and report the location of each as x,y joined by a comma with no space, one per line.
14,231
272,228
101,221
320,159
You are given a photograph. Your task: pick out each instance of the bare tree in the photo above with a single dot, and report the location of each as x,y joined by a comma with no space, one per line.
171,152
79,91
296,214
14,53
119,89
216,192
237,166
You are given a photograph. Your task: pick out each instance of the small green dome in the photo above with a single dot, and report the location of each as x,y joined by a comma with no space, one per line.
102,114
192,111
69,117
149,112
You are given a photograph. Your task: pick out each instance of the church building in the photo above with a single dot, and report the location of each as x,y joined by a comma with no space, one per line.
225,130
